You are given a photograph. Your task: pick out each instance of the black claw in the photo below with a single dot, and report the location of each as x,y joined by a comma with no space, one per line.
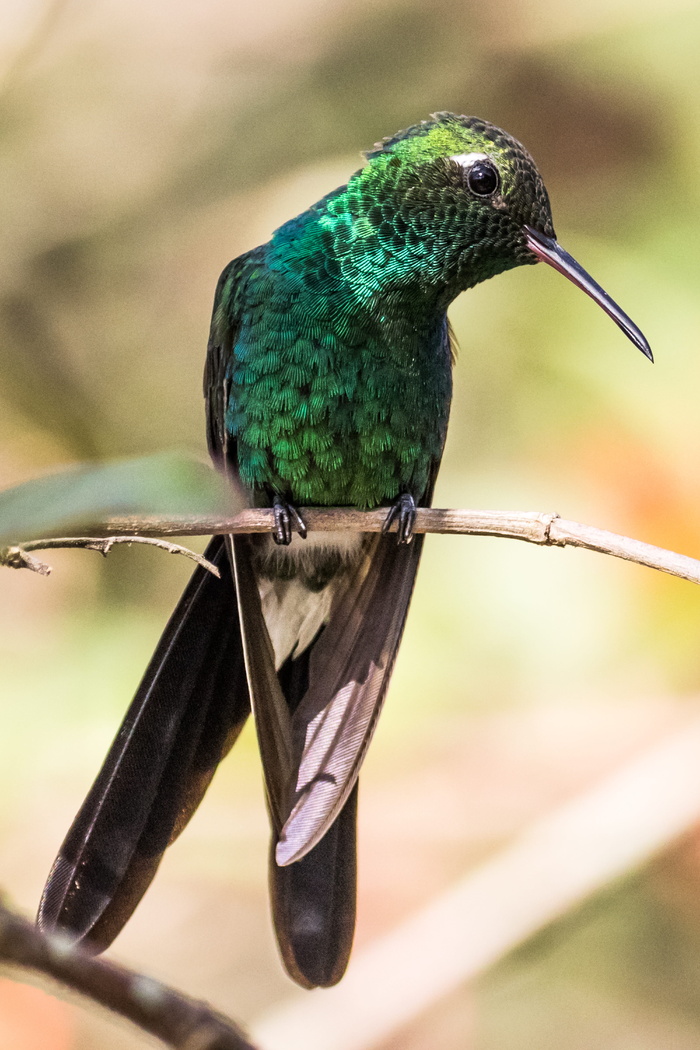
405,510
287,520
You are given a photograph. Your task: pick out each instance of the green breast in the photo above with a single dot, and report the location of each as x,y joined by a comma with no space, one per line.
331,404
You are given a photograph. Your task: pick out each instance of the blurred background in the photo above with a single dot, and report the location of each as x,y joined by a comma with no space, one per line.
142,146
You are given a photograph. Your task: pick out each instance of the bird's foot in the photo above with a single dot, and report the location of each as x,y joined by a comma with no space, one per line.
403,510
287,521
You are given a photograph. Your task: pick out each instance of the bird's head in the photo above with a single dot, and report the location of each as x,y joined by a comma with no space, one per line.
444,205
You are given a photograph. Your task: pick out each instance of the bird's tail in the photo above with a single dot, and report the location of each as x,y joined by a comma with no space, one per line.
188,710
315,717
313,903
314,900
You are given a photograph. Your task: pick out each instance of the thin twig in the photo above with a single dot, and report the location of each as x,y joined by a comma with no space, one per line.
181,1022
18,556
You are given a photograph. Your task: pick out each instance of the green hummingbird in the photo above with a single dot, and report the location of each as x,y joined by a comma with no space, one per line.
328,382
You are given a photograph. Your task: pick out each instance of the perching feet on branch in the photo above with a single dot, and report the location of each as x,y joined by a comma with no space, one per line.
403,509
287,521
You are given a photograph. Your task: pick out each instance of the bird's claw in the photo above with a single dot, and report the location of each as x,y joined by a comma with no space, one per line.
403,511
287,521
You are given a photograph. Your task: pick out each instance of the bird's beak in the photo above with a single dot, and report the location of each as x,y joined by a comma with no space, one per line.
548,250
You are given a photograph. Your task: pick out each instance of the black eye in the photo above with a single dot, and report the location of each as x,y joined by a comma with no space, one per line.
482,179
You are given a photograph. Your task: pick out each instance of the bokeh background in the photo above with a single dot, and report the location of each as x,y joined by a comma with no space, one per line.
142,146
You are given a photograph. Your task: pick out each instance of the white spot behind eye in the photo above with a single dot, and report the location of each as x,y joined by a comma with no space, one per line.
468,160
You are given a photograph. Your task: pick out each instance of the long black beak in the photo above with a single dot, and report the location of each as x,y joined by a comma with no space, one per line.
550,251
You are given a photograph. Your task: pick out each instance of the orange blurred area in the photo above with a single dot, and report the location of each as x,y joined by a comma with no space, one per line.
32,1020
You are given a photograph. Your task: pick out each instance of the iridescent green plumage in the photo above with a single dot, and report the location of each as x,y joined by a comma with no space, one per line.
328,381
328,403
341,370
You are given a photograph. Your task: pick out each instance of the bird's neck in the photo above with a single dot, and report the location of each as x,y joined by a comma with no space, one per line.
372,248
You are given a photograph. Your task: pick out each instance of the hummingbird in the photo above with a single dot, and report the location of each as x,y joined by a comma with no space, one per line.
328,382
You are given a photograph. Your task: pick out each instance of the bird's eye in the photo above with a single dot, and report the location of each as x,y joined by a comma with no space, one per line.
482,179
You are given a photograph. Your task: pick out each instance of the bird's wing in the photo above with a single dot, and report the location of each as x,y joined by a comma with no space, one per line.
349,669
190,707
187,712
225,323
270,710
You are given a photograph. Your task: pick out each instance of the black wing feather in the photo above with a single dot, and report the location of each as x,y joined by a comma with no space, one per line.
349,671
191,704
314,901
187,712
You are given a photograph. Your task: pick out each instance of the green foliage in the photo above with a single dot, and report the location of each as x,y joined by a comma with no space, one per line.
167,485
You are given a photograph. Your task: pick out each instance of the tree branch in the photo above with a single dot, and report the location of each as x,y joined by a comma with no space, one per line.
18,556
546,530
180,1022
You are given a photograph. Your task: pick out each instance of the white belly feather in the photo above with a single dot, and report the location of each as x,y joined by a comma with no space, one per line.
294,613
